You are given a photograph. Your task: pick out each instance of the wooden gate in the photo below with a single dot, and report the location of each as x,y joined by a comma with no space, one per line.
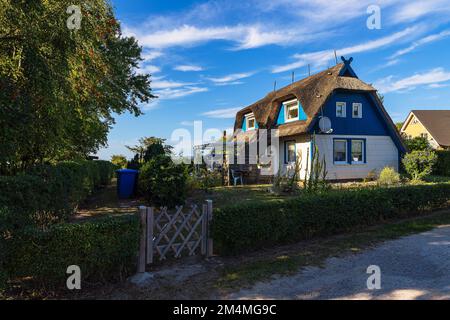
183,231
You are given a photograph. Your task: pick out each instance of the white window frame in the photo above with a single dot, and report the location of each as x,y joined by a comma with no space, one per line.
287,106
362,151
346,151
359,106
344,109
249,117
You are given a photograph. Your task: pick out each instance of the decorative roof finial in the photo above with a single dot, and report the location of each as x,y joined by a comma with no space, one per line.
347,62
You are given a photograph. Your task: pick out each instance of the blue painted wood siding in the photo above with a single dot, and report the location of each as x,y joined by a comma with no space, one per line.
371,123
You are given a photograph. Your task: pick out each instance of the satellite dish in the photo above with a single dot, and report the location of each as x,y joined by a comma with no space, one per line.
325,125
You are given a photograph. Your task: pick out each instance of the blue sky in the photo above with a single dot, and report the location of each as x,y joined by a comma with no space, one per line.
210,58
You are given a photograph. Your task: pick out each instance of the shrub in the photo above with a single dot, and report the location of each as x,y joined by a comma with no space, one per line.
388,176
254,225
204,179
104,249
162,182
419,164
442,166
50,193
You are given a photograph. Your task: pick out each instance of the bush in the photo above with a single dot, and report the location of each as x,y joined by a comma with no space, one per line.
50,193
419,164
104,249
388,176
162,182
417,144
204,179
442,166
255,225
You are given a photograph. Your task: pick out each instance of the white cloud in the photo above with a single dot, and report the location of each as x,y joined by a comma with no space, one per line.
171,93
438,85
186,68
231,78
413,10
149,69
244,36
421,42
432,77
222,113
159,83
321,58
151,55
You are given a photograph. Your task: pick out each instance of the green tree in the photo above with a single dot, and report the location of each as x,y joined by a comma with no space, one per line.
417,143
148,148
119,160
59,87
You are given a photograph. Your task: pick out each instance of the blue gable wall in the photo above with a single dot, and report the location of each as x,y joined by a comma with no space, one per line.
371,123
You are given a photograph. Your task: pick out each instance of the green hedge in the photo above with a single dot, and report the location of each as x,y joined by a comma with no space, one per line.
104,249
50,193
442,167
254,225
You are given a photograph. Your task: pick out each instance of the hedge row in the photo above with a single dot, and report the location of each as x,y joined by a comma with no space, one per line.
442,167
48,194
249,226
104,249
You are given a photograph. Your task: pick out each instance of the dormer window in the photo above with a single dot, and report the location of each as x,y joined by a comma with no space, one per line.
292,111
250,121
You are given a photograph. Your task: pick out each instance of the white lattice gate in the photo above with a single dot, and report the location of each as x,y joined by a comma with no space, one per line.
174,233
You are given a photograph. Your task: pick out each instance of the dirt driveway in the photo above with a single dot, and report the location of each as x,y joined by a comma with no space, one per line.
413,267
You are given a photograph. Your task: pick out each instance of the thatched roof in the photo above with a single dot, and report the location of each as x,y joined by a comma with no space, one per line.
312,92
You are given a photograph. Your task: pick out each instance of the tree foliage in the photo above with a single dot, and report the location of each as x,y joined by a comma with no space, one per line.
59,88
417,143
119,160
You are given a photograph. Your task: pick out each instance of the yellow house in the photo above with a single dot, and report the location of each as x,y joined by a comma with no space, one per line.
431,124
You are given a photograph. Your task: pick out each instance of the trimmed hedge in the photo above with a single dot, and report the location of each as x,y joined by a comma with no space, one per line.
249,226
50,193
442,167
104,249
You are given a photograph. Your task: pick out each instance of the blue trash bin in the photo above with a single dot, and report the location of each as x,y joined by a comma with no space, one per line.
126,182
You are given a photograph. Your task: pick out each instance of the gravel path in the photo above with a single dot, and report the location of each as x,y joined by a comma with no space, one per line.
413,267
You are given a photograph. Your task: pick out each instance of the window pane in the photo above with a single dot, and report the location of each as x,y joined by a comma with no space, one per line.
291,152
293,112
251,123
340,151
357,151
340,109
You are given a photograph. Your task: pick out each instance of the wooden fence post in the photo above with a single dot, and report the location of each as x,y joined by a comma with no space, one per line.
210,244
204,243
141,259
150,228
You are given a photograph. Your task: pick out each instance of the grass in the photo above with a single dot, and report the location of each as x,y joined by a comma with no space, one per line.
224,196
289,259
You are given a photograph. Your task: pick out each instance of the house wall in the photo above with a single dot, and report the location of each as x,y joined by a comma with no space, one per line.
371,123
380,152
